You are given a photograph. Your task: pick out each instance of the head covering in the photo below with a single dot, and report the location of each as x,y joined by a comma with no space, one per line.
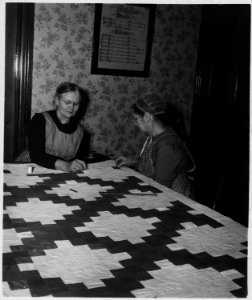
152,104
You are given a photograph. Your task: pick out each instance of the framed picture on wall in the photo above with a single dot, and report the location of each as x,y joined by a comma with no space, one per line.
122,42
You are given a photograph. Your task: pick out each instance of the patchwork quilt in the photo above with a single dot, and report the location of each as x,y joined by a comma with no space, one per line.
108,232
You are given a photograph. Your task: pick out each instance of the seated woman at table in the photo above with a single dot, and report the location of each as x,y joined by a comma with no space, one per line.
164,156
56,140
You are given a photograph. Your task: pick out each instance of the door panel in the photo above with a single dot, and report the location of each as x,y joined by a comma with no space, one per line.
220,118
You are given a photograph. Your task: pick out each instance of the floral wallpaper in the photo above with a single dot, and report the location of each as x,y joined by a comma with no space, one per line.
62,52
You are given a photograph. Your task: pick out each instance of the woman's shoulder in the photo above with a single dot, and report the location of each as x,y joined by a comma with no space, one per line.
171,144
37,117
168,137
41,115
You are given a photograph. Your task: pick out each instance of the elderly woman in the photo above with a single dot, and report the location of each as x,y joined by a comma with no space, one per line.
164,156
56,140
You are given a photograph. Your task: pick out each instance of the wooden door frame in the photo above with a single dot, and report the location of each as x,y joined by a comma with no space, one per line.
18,76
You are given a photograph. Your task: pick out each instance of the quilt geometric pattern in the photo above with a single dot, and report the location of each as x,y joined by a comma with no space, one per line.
108,232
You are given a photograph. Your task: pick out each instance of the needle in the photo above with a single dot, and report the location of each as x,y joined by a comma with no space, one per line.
126,193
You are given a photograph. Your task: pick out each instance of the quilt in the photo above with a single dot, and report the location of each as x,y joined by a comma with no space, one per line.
108,232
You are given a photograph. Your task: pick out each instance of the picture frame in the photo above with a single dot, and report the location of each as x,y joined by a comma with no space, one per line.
122,41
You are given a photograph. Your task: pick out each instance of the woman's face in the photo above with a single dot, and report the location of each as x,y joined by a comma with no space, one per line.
68,105
141,123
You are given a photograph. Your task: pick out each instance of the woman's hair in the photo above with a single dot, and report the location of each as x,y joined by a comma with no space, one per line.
163,112
66,87
137,111
175,119
152,104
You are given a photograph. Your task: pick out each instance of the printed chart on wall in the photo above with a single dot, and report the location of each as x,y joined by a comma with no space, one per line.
124,36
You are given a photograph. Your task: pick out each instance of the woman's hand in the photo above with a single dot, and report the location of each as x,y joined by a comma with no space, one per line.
77,165
124,161
71,166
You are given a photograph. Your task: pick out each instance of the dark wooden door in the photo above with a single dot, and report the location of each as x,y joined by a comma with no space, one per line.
220,117
18,76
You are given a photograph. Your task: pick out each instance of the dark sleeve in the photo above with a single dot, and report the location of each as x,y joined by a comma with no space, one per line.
84,148
36,143
167,160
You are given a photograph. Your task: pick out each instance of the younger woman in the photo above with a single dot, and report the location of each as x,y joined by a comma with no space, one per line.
164,156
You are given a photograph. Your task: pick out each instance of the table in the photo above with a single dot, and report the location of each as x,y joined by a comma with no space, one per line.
108,232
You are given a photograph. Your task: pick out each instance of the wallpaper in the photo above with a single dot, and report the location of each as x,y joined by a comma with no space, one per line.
63,37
